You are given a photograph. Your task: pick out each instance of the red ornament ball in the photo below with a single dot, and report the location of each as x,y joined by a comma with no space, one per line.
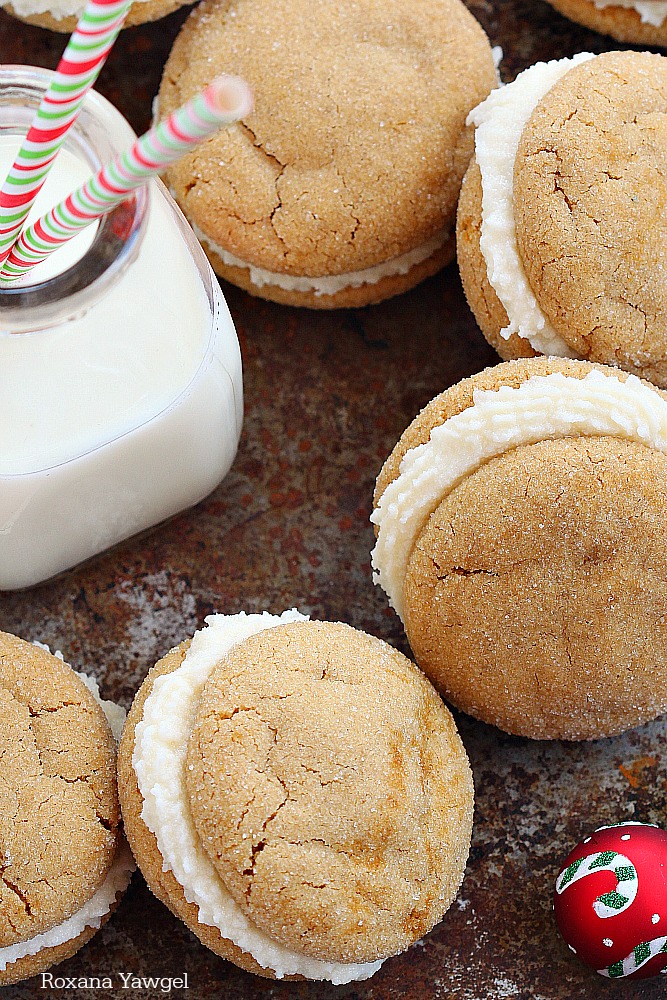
610,901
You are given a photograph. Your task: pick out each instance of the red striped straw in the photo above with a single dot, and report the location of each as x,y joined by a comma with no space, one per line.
223,102
79,67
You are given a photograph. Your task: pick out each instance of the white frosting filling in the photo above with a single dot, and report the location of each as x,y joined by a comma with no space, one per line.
544,407
651,11
90,914
118,876
330,284
500,121
115,714
58,9
161,740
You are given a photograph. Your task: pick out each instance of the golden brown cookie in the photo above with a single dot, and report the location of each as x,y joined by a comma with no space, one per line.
340,188
58,19
329,794
485,304
588,198
625,24
532,589
144,846
59,814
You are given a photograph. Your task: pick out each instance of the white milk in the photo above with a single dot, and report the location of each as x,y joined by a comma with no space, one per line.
118,418
67,173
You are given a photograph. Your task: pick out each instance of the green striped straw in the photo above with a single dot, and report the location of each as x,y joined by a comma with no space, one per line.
79,67
223,102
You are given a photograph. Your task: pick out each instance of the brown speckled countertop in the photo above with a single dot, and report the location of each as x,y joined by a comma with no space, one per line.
327,395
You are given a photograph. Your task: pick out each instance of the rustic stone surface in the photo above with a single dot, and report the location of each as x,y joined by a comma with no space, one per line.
327,395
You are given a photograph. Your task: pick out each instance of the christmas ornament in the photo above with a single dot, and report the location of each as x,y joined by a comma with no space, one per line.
610,901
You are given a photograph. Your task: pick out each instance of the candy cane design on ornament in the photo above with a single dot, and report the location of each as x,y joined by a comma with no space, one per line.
637,958
609,903
79,67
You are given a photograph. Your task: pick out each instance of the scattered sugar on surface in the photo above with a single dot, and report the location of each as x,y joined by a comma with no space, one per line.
164,610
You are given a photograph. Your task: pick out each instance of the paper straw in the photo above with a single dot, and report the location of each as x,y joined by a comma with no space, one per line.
79,67
223,102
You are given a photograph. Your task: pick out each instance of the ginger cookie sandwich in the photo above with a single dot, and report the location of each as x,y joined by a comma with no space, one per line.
62,15
520,525
340,188
63,861
642,22
561,225
297,793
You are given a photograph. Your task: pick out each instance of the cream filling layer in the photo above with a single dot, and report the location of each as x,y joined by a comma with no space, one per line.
499,123
90,915
544,407
118,876
334,283
651,11
115,714
58,9
161,740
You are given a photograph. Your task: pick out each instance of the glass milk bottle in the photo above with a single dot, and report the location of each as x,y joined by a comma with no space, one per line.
120,371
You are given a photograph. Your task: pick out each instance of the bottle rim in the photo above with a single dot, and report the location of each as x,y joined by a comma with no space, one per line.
99,133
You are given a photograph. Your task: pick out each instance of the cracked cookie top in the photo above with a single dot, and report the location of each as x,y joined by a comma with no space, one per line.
356,147
58,804
330,790
589,201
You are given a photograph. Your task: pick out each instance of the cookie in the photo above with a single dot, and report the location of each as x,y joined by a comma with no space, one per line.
63,862
561,228
298,794
62,15
520,536
340,188
643,22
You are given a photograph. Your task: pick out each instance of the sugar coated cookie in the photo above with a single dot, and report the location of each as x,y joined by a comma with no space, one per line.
63,862
562,233
340,188
520,536
62,15
640,21
297,793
